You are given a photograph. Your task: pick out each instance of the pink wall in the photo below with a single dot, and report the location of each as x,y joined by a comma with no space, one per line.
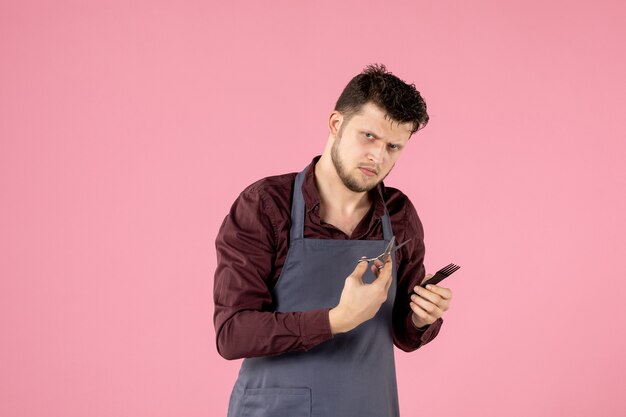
127,129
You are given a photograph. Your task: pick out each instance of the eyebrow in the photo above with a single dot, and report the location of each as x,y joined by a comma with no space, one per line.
399,145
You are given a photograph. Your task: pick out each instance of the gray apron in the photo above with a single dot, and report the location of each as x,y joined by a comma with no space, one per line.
352,374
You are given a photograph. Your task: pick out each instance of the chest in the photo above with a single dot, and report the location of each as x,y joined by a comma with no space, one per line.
346,223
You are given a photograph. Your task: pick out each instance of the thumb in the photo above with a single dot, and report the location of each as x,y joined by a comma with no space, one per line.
360,269
426,278
384,274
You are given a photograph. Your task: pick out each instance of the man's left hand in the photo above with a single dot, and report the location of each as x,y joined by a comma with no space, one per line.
428,304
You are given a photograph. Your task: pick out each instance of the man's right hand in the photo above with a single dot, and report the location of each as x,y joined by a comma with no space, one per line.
359,301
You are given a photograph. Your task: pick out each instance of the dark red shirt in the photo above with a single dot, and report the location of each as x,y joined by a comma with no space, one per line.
252,245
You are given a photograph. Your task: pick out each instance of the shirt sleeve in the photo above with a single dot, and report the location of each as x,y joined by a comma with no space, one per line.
246,324
411,272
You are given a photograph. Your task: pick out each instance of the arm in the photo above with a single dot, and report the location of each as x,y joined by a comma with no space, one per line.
245,323
406,335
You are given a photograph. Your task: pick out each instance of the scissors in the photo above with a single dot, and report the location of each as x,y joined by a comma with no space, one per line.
391,248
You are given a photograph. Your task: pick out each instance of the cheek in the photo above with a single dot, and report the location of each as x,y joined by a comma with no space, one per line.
391,159
355,151
393,156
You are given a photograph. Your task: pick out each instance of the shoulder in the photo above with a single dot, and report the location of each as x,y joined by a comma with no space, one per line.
269,185
268,198
272,192
260,210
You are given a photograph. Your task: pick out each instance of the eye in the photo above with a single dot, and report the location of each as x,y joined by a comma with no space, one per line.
394,147
369,136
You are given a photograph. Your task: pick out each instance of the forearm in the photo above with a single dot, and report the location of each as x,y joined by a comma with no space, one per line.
252,333
407,336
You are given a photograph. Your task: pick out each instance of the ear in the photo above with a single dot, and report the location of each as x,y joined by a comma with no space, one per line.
334,123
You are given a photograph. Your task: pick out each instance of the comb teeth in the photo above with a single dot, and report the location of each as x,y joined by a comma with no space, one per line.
444,272
449,269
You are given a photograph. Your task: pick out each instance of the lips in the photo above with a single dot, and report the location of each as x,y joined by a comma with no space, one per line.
368,171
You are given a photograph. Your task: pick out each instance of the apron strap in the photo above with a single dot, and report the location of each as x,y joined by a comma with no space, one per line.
387,232
297,209
298,212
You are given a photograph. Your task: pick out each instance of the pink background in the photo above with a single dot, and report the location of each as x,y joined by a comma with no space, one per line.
128,128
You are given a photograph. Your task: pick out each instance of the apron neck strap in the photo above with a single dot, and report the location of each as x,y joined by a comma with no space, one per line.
298,212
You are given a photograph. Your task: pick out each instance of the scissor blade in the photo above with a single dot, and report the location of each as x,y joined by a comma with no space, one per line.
400,245
392,249
388,250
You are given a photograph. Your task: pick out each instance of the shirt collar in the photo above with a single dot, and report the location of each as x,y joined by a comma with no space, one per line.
312,198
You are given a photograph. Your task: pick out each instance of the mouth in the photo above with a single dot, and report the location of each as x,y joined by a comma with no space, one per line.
368,171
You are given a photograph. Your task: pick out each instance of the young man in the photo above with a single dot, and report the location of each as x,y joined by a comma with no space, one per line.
315,324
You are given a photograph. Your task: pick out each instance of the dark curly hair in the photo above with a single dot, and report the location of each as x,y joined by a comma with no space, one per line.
401,101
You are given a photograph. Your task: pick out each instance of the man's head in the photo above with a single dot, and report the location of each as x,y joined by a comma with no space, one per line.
373,120
401,102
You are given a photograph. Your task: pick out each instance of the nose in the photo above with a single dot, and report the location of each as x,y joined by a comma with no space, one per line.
377,152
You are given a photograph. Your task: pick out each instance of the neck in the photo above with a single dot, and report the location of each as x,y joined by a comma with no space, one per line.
334,195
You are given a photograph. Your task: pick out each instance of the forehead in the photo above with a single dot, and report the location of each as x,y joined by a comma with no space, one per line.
373,117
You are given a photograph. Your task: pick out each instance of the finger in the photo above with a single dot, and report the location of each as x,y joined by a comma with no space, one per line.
445,293
428,295
360,269
376,267
380,263
389,266
423,315
385,277
375,270
432,309
436,299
